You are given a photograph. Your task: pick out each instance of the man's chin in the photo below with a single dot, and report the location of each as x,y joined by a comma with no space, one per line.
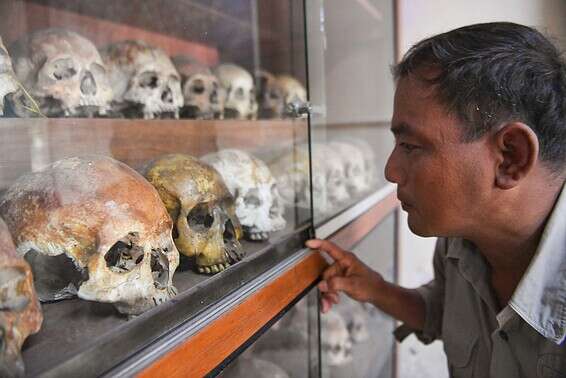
418,228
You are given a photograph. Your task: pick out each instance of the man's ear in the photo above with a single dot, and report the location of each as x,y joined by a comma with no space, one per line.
516,147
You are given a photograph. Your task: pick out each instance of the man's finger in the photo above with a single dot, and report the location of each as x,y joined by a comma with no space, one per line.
324,245
333,270
338,283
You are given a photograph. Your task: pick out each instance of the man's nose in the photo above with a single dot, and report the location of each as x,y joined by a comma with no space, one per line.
393,172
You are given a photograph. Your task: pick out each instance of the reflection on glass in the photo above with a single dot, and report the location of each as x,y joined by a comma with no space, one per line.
288,349
357,339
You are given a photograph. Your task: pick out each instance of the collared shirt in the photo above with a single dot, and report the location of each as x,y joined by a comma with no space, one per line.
527,337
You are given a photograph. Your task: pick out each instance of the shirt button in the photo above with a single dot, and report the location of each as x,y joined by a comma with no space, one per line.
503,335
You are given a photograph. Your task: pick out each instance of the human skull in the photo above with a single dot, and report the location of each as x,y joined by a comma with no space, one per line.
204,97
144,80
258,204
354,166
93,227
63,72
294,93
20,314
336,344
240,91
8,82
270,97
291,171
356,318
334,174
201,207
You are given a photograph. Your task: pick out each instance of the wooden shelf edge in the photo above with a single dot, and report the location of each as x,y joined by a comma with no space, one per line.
351,234
208,348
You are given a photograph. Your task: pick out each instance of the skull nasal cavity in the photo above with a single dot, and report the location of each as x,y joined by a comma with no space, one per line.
200,217
88,85
167,96
229,232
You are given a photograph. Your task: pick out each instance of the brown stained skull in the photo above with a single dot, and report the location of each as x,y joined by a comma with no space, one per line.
20,314
203,209
270,96
93,227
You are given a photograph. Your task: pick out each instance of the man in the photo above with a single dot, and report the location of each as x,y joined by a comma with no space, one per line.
480,128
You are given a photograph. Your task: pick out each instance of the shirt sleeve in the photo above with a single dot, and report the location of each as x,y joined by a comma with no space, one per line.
433,297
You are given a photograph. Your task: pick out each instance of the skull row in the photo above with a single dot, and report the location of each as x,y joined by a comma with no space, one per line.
340,170
67,76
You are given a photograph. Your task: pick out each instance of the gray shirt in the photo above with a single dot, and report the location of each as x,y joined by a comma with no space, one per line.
527,337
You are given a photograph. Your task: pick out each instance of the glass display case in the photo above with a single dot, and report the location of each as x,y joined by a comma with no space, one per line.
162,165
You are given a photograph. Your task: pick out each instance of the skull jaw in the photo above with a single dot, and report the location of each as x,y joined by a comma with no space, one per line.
215,259
194,112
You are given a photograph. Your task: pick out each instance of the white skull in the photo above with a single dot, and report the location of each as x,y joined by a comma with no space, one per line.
270,96
336,344
354,166
204,96
20,313
206,225
8,82
356,318
144,80
63,72
294,93
97,229
258,203
291,171
240,91
334,174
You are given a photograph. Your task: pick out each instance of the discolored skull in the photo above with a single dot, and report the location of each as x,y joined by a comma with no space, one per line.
294,93
336,344
240,91
201,207
354,166
145,81
258,204
204,97
291,172
8,82
20,314
270,97
93,227
63,72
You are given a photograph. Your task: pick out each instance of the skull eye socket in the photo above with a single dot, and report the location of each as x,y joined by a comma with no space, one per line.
252,199
64,69
239,94
197,87
149,79
200,217
229,231
123,256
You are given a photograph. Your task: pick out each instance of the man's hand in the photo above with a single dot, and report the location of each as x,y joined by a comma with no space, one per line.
347,274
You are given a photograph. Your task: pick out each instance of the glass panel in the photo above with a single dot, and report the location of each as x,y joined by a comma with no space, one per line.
351,138
109,90
357,339
288,349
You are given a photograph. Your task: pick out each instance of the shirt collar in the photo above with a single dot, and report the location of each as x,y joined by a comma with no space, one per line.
540,297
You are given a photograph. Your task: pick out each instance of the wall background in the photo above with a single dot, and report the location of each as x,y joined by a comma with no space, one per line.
419,19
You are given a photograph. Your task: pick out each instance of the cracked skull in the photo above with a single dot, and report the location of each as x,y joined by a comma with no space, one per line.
335,339
20,314
201,207
294,93
240,91
63,72
258,204
93,227
204,97
145,81
270,97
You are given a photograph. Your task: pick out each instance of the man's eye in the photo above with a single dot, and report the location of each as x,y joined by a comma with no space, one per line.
408,147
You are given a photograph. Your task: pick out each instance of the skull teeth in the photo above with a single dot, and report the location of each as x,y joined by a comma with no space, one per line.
216,268
258,236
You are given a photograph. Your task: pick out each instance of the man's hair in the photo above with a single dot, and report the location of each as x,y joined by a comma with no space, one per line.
493,73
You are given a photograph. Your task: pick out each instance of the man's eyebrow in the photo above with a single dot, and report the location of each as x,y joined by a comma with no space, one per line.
403,128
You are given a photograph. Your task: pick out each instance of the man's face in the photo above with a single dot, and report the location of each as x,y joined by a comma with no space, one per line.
442,182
